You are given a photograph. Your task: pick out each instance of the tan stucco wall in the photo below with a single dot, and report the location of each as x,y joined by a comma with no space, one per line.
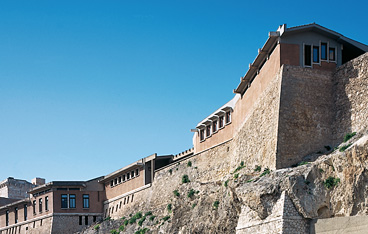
340,225
126,186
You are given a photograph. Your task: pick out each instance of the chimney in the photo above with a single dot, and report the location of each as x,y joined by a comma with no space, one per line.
38,181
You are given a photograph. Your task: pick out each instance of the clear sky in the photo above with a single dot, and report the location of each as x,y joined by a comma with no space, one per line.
87,87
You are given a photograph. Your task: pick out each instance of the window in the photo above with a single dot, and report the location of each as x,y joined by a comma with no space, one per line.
208,130
64,201
332,54
132,174
40,205
123,177
80,220
116,181
228,117
137,172
307,55
85,200
214,126
71,200
46,203
25,212
119,179
94,218
85,220
315,54
323,51
221,121
201,134
7,218
34,207
128,176
111,183
16,215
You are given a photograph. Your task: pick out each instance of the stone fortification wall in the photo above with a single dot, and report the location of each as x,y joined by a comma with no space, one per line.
35,226
255,141
14,188
351,92
306,114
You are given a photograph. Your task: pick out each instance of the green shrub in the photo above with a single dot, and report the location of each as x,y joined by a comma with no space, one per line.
194,205
140,222
107,218
226,182
239,167
123,217
216,204
303,163
236,176
142,231
148,213
248,181
121,228
114,231
343,148
185,179
195,167
166,218
133,219
258,168
189,164
331,182
152,218
96,227
126,222
349,136
176,193
266,171
191,193
169,208
321,170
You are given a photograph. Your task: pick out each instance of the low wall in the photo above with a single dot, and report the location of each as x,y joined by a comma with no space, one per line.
351,225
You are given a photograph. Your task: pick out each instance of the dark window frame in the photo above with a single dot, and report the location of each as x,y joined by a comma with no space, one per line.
307,55
46,203
324,47
86,201
40,205
64,201
72,201
316,58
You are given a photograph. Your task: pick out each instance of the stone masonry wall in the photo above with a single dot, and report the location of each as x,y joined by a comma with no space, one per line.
255,141
36,226
306,114
350,96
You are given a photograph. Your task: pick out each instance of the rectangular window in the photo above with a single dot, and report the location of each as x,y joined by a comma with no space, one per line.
46,203
323,51
16,215
7,218
137,172
71,200
85,220
40,205
132,174
307,55
228,117
85,200
221,121
128,176
332,54
80,220
123,177
94,218
116,181
315,54
119,179
208,130
64,201
34,207
201,134
214,126
111,183
25,212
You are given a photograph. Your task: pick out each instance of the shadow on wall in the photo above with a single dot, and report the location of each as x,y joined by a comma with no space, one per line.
343,95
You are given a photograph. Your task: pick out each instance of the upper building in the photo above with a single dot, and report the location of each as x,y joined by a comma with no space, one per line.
301,97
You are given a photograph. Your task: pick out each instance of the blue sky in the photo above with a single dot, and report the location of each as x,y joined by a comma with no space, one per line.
87,87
